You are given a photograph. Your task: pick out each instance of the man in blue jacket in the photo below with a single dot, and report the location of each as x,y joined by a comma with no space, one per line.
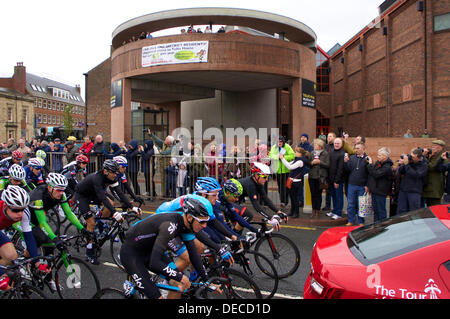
413,169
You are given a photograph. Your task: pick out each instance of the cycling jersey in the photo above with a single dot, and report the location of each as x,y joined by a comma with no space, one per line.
25,228
41,202
70,171
5,182
124,187
145,244
255,191
93,189
230,213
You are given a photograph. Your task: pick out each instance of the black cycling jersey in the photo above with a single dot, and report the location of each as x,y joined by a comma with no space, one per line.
154,236
254,191
93,188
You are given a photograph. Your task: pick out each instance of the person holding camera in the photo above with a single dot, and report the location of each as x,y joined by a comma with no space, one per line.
434,189
380,181
413,169
443,166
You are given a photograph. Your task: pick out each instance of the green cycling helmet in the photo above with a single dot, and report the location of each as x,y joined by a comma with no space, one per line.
233,187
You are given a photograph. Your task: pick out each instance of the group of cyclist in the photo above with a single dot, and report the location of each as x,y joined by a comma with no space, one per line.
184,226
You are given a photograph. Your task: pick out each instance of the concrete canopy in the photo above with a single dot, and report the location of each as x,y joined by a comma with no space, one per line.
263,21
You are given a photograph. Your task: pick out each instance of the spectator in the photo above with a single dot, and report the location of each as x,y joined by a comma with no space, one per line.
329,146
305,144
296,173
445,168
24,149
281,171
221,30
115,150
198,167
98,151
133,165
123,147
183,31
207,29
259,153
408,134
11,145
182,179
87,146
318,175
234,164
356,168
322,136
71,151
413,171
212,161
199,30
380,181
171,179
336,178
148,166
425,134
148,35
57,156
434,188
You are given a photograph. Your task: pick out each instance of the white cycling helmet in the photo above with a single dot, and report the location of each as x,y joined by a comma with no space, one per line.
122,161
35,162
57,181
260,168
17,172
15,197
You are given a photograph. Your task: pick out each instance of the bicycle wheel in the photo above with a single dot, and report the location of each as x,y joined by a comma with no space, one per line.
239,286
261,270
118,238
281,251
25,292
109,293
77,280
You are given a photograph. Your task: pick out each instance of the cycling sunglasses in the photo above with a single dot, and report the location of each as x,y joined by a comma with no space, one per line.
263,175
16,210
201,221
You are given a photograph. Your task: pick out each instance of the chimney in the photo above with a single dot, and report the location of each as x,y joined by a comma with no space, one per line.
77,87
19,79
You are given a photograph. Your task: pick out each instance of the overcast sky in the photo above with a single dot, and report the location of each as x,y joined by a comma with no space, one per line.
61,40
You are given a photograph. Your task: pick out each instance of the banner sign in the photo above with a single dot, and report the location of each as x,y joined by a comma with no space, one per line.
308,93
174,53
116,93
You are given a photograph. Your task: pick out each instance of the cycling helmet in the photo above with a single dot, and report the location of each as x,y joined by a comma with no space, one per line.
41,154
111,166
122,161
35,163
197,206
206,184
16,172
4,151
260,168
56,180
41,160
17,154
233,187
82,159
15,197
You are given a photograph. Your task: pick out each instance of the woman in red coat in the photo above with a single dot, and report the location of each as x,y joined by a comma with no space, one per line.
86,148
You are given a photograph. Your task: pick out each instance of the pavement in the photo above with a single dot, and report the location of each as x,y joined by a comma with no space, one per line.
304,219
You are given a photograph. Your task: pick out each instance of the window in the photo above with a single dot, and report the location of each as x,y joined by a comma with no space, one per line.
38,118
57,106
35,102
10,114
54,119
25,115
11,134
44,118
322,72
442,22
44,104
40,103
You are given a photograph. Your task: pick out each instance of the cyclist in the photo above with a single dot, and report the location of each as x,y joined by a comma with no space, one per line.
253,188
33,172
6,163
146,243
16,176
124,185
13,204
42,155
228,196
92,190
72,170
43,198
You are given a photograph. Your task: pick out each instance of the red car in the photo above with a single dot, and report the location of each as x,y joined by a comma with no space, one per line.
405,256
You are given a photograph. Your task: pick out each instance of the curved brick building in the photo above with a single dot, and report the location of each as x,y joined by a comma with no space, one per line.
260,73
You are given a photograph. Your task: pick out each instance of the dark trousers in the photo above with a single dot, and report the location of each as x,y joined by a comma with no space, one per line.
293,194
408,202
316,193
134,181
379,207
282,190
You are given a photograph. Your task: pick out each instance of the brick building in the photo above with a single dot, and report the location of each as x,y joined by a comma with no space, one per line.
394,74
49,100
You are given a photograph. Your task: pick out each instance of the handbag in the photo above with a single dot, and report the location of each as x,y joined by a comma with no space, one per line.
323,183
289,182
365,205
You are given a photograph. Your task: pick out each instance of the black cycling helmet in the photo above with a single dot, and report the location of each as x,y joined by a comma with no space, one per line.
111,166
197,206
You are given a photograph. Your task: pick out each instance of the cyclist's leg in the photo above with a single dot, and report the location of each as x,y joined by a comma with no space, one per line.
245,213
42,238
85,211
7,251
135,266
105,211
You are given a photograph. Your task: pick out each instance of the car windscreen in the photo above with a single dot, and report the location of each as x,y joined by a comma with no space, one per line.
396,236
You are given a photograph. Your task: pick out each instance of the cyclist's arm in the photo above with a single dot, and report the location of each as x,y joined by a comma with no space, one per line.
266,199
195,259
101,196
203,237
220,226
231,213
42,219
27,233
123,199
69,214
255,202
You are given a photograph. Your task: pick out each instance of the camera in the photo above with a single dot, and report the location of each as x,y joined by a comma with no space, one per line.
408,155
367,159
447,155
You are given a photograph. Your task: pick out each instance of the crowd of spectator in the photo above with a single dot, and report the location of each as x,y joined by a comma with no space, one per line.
335,166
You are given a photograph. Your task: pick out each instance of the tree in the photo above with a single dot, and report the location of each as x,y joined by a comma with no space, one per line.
68,120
